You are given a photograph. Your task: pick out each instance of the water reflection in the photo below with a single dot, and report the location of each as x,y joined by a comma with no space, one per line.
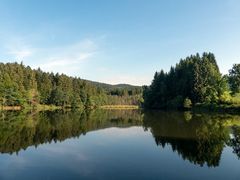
19,130
198,138
234,142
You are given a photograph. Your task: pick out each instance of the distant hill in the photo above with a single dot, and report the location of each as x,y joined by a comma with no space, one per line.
112,87
117,89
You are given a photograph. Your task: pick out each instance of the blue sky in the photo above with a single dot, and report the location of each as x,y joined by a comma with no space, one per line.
117,41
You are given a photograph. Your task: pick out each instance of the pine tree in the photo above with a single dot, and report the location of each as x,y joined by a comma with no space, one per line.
234,78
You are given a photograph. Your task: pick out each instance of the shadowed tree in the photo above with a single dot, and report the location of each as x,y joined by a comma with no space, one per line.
234,78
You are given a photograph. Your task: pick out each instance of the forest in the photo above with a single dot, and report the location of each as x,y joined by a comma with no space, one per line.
25,87
194,81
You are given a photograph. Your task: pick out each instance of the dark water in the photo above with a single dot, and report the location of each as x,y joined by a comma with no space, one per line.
118,144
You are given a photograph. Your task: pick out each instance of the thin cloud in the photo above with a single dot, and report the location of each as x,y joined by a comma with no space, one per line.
18,48
70,59
64,59
21,53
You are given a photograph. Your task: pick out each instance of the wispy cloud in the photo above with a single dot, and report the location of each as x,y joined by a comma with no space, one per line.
68,57
18,49
20,54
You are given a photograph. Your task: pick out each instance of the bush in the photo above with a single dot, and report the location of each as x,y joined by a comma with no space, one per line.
225,98
236,99
187,103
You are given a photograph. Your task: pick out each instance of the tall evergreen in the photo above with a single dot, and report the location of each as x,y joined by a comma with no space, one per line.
23,86
234,78
195,78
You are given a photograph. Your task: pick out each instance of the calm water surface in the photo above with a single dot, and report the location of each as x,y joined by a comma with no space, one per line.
119,144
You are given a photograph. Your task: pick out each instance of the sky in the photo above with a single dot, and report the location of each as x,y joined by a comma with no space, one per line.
117,41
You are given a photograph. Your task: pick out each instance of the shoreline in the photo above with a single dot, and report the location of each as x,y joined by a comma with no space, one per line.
41,107
230,109
10,108
119,107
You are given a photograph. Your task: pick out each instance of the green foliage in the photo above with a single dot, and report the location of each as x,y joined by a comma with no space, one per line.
235,99
234,78
175,103
89,103
22,86
187,103
196,78
225,98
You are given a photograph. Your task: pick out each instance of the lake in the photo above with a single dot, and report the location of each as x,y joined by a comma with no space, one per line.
119,144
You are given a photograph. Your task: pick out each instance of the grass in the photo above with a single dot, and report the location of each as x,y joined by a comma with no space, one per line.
38,107
41,107
8,108
119,107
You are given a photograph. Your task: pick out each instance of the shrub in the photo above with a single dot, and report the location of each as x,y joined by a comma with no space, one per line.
187,103
225,98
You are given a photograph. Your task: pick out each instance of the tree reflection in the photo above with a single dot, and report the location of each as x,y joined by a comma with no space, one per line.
20,130
199,139
234,142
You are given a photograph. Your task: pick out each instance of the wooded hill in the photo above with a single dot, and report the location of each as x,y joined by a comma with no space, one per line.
22,86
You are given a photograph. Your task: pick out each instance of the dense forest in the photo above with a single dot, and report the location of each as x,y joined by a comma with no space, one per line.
26,87
194,80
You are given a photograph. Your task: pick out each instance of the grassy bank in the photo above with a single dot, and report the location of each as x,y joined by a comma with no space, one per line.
119,107
38,107
41,107
9,108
